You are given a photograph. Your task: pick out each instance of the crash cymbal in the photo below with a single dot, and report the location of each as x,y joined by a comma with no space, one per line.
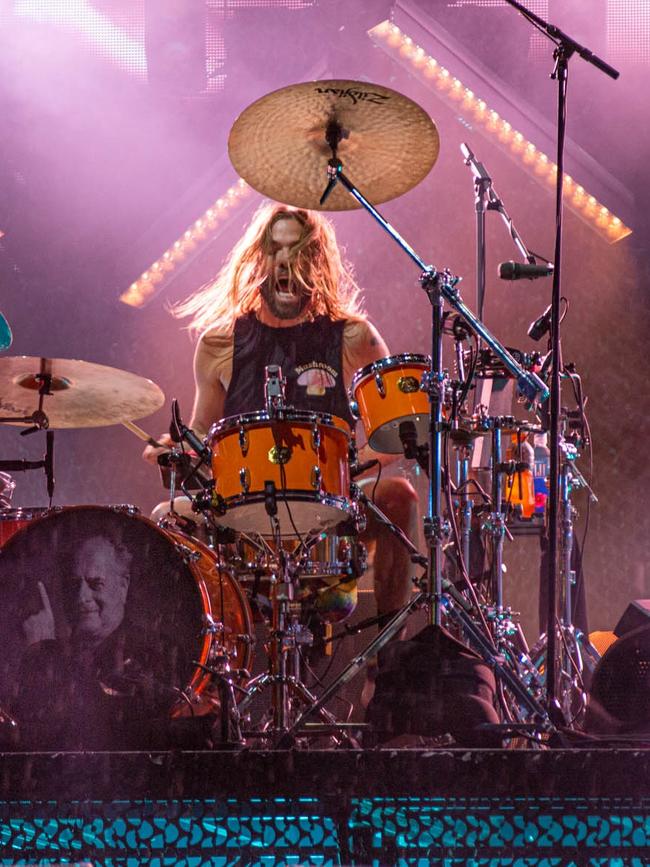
82,394
278,144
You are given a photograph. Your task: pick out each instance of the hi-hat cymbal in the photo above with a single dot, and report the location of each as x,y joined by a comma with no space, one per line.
278,144
82,394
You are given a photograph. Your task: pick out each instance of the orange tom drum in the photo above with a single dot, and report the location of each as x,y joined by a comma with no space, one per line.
305,455
387,393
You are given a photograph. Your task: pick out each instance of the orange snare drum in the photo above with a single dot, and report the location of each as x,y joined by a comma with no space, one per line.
305,454
386,393
327,568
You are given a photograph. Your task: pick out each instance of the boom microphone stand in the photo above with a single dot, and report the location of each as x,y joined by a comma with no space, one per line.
565,48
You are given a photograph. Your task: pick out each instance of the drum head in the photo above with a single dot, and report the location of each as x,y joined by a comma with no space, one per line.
101,619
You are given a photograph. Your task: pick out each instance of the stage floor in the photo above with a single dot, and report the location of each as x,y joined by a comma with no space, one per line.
496,807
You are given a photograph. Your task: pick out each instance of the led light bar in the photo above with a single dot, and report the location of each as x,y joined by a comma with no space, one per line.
479,110
199,234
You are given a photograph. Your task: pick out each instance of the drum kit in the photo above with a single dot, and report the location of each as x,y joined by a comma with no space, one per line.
276,516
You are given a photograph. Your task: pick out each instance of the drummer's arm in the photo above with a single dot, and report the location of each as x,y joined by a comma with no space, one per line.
212,356
363,344
212,364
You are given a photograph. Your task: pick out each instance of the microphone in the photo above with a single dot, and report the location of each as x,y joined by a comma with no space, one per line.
185,433
523,270
542,325
356,469
274,389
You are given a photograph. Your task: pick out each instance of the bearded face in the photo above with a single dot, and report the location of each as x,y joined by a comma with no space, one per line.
282,294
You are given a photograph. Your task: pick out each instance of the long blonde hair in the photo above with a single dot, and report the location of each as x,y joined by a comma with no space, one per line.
316,265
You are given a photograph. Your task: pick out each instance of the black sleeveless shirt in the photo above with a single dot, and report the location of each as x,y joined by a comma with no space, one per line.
310,355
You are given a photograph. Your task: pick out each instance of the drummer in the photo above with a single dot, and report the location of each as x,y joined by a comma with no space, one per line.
285,296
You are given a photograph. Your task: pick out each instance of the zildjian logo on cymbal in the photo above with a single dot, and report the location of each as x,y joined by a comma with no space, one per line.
355,95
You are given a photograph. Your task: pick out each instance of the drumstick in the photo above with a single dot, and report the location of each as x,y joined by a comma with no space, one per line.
143,435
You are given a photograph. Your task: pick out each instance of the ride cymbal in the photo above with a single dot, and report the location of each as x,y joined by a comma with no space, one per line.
81,394
278,144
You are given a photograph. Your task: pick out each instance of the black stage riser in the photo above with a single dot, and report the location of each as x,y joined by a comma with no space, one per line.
562,807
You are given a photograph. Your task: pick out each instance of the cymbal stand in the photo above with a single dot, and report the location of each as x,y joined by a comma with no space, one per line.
440,286
46,464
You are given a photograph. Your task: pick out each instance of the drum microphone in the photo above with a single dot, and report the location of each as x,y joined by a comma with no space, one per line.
542,325
274,389
357,469
524,270
185,433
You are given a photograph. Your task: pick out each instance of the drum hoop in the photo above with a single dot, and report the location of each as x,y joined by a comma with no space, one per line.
208,552
390,361
262,417
295,494
27,512
292,495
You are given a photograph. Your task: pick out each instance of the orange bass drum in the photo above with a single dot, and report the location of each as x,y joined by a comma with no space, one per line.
104,624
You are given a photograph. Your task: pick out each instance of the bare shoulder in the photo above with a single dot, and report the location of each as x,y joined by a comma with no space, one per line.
217,338
214,351
362,342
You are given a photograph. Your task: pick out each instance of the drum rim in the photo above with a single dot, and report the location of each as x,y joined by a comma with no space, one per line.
389,361
289,414
212,555
18,512
344,504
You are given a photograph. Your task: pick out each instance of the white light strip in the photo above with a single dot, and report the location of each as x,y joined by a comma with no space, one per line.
197,235
485,118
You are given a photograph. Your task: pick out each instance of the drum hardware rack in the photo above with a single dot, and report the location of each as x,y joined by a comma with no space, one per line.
441,287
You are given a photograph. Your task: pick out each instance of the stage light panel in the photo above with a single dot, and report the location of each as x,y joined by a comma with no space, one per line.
116,33
490,109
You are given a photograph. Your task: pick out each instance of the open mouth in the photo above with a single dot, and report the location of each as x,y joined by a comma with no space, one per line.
284,287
